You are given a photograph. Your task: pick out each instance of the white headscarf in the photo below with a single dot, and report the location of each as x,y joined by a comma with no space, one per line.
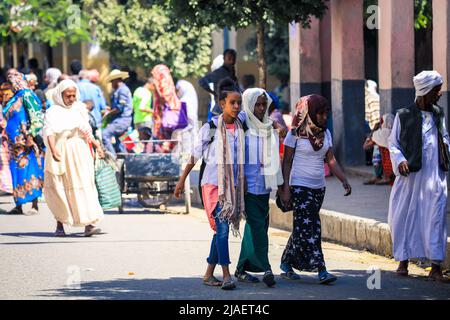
380,136
61,121
425,81
217,62
52,75
271,158
60,88
372,87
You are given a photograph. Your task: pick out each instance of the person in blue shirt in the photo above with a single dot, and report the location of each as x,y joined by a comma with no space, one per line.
263,175
91,92
120,113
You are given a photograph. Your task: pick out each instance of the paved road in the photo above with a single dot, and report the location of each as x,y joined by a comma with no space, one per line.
154,255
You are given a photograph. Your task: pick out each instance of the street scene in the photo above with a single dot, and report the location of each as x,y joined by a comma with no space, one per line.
224,150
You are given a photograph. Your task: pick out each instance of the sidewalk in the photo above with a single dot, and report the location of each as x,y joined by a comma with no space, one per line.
358,221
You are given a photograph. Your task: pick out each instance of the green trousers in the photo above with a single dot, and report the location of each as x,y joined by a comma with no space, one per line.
255,243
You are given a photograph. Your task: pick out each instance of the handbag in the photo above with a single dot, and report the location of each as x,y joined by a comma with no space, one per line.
286,207
175,119
444,157
108,189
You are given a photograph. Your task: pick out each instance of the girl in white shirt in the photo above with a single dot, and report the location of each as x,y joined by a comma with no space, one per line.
306,147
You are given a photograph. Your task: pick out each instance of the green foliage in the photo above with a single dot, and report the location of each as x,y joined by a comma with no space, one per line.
242,13
276,50
423,14
48,21
142,35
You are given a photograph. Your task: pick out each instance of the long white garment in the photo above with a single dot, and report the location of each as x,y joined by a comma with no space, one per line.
417,206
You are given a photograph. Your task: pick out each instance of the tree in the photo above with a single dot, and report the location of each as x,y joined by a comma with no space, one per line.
139,34
242,13
48,21
276,51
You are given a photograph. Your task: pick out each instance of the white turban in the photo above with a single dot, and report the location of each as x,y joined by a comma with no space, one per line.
425,81
217,62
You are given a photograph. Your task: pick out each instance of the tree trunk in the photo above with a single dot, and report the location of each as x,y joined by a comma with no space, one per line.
261,55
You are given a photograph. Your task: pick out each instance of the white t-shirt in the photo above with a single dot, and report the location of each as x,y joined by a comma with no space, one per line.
308,165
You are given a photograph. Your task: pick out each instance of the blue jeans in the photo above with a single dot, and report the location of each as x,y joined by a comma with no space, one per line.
219,253
115,129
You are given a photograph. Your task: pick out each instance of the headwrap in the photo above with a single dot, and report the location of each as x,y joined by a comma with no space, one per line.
165,86
17,81
372,87
52,75
425,81
275,100
380,136
60,88
217,62
304,123
270,156
6,93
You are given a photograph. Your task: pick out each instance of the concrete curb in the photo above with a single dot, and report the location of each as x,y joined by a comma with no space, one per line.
355,232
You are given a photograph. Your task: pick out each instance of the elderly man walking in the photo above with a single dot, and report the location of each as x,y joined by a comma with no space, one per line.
419,149
120,114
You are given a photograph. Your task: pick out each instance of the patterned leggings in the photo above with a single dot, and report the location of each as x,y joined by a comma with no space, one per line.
304,249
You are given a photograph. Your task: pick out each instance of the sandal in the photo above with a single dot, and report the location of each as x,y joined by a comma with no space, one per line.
228,285
402,272
438,277
245,277
91,231
212,281
290,275
32,212
60,233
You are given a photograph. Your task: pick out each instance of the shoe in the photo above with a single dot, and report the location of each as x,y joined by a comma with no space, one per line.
269,278
290,275
326,278
228,285
245,277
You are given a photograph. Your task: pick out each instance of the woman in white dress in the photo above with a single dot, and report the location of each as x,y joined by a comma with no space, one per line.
417,206
69,178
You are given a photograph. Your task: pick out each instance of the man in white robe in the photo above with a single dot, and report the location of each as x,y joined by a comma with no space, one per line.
417,206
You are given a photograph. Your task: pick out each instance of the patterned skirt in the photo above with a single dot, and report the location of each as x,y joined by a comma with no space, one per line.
304,248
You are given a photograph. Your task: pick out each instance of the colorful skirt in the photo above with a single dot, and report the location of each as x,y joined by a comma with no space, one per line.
304,248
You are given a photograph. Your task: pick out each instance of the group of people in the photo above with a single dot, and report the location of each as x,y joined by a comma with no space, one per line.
50,149
50,140
242,166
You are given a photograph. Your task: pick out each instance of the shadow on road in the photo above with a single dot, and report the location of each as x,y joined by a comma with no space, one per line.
351,285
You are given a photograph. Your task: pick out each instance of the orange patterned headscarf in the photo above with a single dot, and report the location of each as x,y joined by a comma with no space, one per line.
165,86
304,122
